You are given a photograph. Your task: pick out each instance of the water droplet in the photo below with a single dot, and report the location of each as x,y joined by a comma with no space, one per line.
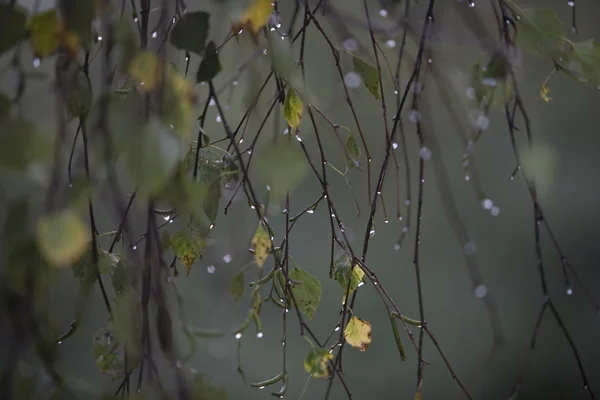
360,284
238,335
352,80
394,145
470,248
397,246
311,211
416,87
405,229
278,25
407,202
268,188
495,211
210,269
99,38
265,52
135,19
481,291
337,328
218,119
569,291
372,233
487,204
298,138
383,13
134,247
170,279
36,62
467,178
154,34
211,226
227,258
385,221
483,122
259,335
261,388
471,93
430,60
167,217
391,43
471,3
414,116
571,3
173,20
171,220
425,153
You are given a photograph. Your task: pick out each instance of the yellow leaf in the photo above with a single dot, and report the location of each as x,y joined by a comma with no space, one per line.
317,363
293,108
358,333
144,68
44,33
255,16
62,237
262,245
544,91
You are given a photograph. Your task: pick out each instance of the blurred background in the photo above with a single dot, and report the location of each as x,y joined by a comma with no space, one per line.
499,244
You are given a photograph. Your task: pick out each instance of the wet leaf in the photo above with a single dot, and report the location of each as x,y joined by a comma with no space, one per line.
581,61
353,152
210,65
106,351
190,32
307,292
62,237
127,325
261,244
44,33
255,16
317,363
344,272
368,74
358,333
188,245
293,108
12,26
77,16
281,166
237,286
540,31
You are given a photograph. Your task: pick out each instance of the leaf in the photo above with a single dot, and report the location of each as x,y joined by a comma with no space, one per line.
62,237
127,325
78,95
281,166
237,286
5,104
544,91
307,292
44,33
344,272
293,108
144,68
210,65
353,152
21,144
190,32
188,245
178,103
84,269
202,389
358,333
581,61
368,74
122,275
261,244
540,31
317,363
12,26
106,351
78,16
254,17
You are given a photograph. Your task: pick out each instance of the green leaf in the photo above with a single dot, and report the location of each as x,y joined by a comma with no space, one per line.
540,31
152,156
344,272
78,95
210,65
85,270
307,292
317,363
237,286
106,348
12,26
188,245
190,32
353,152
62,237
78,16
581,61
203,389
231,171
122,275
281,166
368,74
5,104
293,108
127,325
44,33
358,333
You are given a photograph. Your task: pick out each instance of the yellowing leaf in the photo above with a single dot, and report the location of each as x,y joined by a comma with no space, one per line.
188,245
144,68
255,16
293,108
178,103
261,244
358,333
62,237
544,91
44,33
344,273
317,363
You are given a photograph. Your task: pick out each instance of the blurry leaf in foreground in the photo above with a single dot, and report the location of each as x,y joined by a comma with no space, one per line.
106,351
307,292
62,237
293,108
237,286
281,166
84,269
4,104
178,103
358,333
44,33
210,65
254,17
540,31
78,16
368,74
190,32
203,389
188,245
261,244
317,363
12,26
78,95
144,68
581,61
